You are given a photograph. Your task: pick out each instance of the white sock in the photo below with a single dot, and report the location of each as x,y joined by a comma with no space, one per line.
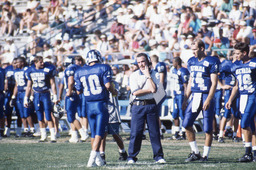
122,150
206,151
26,130
247,144
183,129
254,148
43,133
194,147
74,134
221,133
243,137
102,152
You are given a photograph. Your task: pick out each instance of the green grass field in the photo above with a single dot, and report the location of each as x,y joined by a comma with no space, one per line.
26,153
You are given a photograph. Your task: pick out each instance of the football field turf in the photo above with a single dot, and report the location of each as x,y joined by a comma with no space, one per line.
26,153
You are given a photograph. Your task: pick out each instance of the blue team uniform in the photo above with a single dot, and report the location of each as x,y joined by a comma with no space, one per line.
161,68
92,80
73,102
2,78
9,75
246,77
21,81
41,87
200,72
229,79
179,78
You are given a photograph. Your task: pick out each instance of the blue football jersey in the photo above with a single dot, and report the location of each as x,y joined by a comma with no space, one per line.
226,73
161,68
200,72
92,80
20,79
246,75
9,75
69,71
179,77
41,77
2,78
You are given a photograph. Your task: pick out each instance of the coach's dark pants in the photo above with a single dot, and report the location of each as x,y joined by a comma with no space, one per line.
141,113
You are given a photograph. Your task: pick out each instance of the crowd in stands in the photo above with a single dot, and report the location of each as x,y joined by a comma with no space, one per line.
165,28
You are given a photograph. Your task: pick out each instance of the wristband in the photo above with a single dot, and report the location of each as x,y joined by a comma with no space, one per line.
55,98
13,97
31,98
149,77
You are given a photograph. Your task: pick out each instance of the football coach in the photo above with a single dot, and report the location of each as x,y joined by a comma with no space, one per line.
144,83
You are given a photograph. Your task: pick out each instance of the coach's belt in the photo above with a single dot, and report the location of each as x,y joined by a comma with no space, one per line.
144,102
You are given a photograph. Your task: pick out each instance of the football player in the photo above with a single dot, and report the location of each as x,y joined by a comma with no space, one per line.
18,96
202,85
245,72
72,100
160,67
95,81
2,78
180,76
9,86
227,84
41,78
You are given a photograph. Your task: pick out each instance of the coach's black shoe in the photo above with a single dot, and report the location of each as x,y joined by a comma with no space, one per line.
144,137
193,157
203,159
182,137
246,158
221,140
103,157
123,156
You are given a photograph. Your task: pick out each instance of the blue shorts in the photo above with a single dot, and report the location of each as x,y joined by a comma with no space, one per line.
234,107
112,128
1,105
208,115
177,107
24,112
43,104
71,106
98,117
247,119
218,99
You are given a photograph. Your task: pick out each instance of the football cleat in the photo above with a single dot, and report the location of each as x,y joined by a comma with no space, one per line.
236,139
229,133
123,156
162,136
221,140
161,161
98,160
103,157
215,137
144,137
203,159
176,136
193,157
246,158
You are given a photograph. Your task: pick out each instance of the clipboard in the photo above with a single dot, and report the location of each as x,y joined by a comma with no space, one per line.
160,94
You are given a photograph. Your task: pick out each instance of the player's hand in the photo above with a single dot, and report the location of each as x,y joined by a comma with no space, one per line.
12,102
146,71
55,99
228,104
206,105
68,94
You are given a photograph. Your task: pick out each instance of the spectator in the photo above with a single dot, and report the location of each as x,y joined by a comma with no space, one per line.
32,4
138,9
253,41
42,21
35,44
206,11
117,29
245,33
249,14
8,18
48,54
103,45
225,9
194,24
29,20
235,14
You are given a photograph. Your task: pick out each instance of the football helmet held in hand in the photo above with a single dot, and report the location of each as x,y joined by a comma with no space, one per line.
58,111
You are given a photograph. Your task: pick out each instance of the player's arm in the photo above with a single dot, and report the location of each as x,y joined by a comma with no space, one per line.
214,80
187,94
61,91
14,94
161,78
71,83
54,90
232,96
27,93
6,84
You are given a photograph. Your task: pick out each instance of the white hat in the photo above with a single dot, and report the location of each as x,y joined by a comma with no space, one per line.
157,30
130,6
228,23
245,4
182,36
111,37
152,42
154,1
120,10
242,23
190,36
